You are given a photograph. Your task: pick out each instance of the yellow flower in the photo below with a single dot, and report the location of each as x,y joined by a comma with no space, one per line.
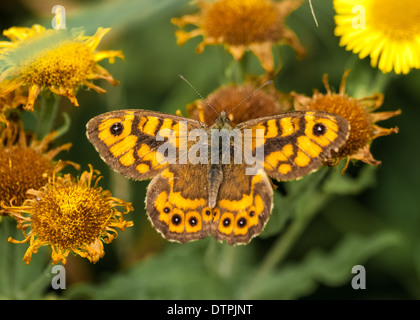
242,25
60,60
25,166
70,215
358,112
10,99
241,102
386,30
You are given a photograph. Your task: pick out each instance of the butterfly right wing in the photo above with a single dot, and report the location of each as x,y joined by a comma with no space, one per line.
127,139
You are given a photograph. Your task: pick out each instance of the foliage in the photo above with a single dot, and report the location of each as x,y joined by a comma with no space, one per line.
321,225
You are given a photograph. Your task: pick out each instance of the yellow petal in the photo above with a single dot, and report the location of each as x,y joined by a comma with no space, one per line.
93,41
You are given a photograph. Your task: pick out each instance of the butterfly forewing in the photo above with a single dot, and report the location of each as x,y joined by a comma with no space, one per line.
296,143
127,140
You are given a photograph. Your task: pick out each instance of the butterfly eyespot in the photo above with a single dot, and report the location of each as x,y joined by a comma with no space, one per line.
193,221
319,129
166,210
252,213
207,212
116,129
176,219
241,222
226,222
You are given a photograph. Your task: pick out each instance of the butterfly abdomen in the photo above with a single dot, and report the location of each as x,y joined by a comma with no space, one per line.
215,178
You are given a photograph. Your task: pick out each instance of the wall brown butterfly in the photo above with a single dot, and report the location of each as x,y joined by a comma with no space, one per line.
188,201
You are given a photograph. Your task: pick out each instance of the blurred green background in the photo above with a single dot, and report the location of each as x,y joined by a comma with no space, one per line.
321,226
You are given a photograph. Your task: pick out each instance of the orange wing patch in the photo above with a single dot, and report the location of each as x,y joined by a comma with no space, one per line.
104,129
326,138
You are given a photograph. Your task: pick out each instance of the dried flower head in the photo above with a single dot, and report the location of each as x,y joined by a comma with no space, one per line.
358,112
70,215
246,102
242,25
24,165
60,60
386,30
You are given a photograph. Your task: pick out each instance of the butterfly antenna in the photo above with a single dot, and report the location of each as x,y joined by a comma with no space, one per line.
198,93
313,12
250,95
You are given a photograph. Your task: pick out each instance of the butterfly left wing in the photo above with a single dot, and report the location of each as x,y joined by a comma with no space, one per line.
296,143
127,140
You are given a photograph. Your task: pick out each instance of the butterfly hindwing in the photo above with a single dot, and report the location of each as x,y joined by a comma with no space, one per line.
180,211
176,206
243,207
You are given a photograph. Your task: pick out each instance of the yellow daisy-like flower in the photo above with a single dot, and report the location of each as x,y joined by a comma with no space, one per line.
358,112
386,30
24,165
60,60
242,25
70,215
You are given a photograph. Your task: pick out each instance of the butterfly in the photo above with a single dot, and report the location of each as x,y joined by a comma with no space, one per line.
201,187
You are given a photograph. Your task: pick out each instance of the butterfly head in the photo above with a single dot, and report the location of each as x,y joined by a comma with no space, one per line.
222,122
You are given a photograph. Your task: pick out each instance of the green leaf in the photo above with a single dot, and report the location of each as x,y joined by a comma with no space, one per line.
303,200
120,14
17,280
343,184
297,280
180,272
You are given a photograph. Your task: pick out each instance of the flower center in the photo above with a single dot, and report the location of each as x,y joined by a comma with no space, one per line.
399,20
242,22
65,66
68,216
17,176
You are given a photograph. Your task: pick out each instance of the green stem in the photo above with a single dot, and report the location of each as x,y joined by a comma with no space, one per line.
39,284
365,81
7,274
237,70
277,253
65,127
227,261
47,115
11,269
220,258
285,242
280,59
